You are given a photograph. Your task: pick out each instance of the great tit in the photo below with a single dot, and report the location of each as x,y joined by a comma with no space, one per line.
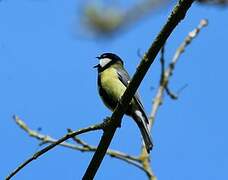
112,82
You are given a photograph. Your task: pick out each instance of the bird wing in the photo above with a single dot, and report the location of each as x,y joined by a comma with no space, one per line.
125,79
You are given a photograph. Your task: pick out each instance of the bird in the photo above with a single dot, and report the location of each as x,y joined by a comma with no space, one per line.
112,82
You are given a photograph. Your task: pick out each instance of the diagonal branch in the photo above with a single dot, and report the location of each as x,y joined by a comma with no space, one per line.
176,16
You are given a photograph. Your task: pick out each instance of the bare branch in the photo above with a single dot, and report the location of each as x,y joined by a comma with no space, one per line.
162,62
169,71
112,153
135,161
170,93
176,16
44,150
164,79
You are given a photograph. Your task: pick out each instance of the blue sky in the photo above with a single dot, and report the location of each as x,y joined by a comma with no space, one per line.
47,79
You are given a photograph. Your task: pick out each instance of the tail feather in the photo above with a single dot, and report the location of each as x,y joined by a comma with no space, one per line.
141,122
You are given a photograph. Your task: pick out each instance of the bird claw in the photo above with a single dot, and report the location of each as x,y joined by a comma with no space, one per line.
107,121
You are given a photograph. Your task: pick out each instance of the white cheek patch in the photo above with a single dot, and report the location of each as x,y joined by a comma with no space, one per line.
104,61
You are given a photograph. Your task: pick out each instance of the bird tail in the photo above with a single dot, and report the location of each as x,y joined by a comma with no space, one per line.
141,122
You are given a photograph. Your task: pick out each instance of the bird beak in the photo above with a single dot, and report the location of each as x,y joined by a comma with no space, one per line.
96,66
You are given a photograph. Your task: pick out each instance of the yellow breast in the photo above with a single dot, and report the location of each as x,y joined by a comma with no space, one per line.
111,83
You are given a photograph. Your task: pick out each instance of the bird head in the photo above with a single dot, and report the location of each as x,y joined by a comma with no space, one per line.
107,59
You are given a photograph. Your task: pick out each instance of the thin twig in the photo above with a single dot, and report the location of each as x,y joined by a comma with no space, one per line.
180,51
169,71
136,161
170,93
162,62
164,79
110,152
83,148
44,150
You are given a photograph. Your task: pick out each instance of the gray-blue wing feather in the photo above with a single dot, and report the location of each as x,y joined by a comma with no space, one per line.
125,79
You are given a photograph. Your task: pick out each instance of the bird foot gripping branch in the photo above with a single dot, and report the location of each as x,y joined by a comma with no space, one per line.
107,123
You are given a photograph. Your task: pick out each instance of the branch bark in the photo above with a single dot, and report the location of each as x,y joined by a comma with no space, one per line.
176,16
